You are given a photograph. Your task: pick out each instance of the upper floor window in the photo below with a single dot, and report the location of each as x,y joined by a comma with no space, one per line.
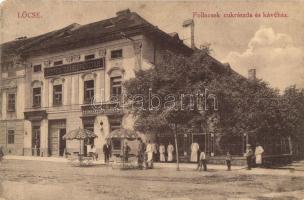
116,88
59,62
37,97
57,95
11,102
88,91
89,57
10,136
37,68
116,54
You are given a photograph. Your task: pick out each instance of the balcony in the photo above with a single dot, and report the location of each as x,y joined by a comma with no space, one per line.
36,115
108,108
74,67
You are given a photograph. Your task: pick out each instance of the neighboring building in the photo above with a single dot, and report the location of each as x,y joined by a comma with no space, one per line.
50,91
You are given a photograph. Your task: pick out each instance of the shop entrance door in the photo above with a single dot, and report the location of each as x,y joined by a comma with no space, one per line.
36,141
57,129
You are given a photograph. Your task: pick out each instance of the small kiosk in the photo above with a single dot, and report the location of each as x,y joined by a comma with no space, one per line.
121,139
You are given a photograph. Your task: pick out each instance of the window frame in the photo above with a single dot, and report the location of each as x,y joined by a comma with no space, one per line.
10,136
89,57
118,51
35,104
40,68
87,100
11,108
55,103
115,85
58,62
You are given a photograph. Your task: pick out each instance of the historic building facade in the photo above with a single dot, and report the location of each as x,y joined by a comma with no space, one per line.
62,73
12,91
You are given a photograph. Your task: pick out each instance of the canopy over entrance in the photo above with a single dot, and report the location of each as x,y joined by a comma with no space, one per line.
123,134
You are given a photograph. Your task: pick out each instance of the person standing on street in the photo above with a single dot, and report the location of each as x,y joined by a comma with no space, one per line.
162,153
126,152
140,153
155,152
228,161
149,151
1,154
249,156
170,150
258,155
202,162
106,151
93,152
194,152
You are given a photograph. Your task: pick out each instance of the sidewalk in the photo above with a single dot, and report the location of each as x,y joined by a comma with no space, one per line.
156,165
292,169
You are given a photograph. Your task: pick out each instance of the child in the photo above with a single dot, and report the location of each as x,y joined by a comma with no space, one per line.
228,161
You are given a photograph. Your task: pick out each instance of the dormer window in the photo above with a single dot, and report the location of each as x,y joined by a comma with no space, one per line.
59,62
116,54
37,68
89,57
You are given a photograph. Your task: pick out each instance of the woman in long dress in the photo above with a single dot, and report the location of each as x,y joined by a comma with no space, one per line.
162,153
170,150
258,155
194,150
149,151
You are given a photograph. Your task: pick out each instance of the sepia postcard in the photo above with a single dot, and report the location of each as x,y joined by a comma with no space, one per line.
151,100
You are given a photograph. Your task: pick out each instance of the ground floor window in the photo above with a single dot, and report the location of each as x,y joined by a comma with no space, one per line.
11,137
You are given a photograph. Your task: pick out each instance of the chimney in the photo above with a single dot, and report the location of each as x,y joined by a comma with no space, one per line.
188,33
123,12
252,74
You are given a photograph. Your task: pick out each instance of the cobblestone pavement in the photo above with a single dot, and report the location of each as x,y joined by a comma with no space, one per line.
37,180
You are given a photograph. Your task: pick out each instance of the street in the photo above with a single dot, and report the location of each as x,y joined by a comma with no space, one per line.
37,180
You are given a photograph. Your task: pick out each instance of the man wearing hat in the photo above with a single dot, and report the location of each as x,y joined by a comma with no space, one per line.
249,156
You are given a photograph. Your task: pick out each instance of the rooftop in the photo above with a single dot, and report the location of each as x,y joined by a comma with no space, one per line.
76,36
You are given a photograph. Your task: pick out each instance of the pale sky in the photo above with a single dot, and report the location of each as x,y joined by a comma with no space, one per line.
274,46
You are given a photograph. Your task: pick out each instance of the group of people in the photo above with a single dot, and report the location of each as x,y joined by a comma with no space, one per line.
148,153
251,157
256,155
162,152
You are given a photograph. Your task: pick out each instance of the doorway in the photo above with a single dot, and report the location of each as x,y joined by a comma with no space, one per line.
62,142
36,141
57,129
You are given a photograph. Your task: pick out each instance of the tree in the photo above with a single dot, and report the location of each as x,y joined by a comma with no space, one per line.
161,99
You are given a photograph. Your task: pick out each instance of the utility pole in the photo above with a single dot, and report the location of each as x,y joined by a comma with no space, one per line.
177,156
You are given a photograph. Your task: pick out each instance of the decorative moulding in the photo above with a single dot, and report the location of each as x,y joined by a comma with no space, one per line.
102,53
57,80
88,76
116,68
47,63
36,83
